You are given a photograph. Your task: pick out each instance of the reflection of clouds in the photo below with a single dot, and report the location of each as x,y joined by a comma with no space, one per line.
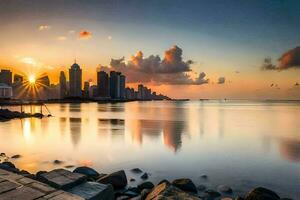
290,149
75,130
172,132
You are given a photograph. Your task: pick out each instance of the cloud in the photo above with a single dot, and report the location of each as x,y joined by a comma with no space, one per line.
171,69
296,84
109,37
288,60
221,80
85,35
44,27
61,38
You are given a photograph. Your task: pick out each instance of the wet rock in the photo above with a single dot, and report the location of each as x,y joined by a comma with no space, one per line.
117,179
16,156
57,162
212,193
185,185
8,166
167,192
261,193
201,187
239,198
204,176
224,189
144,193
136,170
132,180
134,189
144,176
39,173
89,172
145,185
164,181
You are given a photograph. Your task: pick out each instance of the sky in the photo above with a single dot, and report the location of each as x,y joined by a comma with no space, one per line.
183,49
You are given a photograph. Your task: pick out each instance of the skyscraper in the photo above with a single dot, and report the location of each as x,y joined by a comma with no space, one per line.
62,85
122,86
114,84
103,84
6,77
75,74
86,88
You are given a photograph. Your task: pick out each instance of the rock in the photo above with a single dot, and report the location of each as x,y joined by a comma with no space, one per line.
89,172
8,166
166,191
144,193
132,180
145,176
62,179
224,189
39,173
212,193
117,179
164,181
93,191
69,166
204,176
185,185
286,199
134,189
239,198
2,154
201,187
57,162
16,156
226,198
145,185
261,193
136,170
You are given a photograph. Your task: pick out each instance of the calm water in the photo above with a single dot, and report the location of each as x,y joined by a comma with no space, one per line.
241,144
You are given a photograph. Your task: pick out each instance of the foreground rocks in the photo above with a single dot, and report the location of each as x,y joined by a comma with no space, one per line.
261,193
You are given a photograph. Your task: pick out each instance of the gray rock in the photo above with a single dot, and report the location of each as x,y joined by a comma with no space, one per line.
117,179
185,185
144,176
204,176
93,191
166,191
136,170
132,180
261,193
144,193
201,187
89,172
57,162
145,185
224,189
212,193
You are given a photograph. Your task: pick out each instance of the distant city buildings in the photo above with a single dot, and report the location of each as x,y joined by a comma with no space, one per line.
75,75
109,86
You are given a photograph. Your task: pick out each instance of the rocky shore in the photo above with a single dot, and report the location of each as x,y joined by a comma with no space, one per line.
92,185
6,115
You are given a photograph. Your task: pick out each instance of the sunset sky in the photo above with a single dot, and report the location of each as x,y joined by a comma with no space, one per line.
184,49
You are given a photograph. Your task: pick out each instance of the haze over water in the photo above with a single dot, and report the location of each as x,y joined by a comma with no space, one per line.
243,144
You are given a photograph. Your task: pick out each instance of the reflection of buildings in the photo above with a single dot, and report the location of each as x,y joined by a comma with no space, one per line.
290,149
172,131
75,130
75,75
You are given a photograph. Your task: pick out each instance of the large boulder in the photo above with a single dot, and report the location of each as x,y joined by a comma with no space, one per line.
89,172
165,191
117,179
145,185
261,193
185,185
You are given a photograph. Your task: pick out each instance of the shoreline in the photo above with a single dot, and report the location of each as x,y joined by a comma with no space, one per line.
6,115
117,184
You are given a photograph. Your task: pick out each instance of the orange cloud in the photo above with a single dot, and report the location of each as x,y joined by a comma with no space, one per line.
44,27
85,35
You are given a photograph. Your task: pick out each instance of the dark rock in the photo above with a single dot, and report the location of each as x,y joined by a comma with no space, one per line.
185,185
286,199
39,173
224,189
261,193
204,176
16,156
134,189
69,166
167,192
144,193
2,154
89,172
212,193
164,181
239,198
136,170
145,176
117,179
8,166
131,194
132,180
145,185
201,187
57,162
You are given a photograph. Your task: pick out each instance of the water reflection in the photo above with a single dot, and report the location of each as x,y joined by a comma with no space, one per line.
290,149
75,130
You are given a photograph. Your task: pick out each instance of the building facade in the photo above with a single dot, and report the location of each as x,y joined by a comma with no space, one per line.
6,77
103,84
75,74
114,84
63,92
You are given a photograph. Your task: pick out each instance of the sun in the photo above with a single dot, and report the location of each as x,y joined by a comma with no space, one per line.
31,79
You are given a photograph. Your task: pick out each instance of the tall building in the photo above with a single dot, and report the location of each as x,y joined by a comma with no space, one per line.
86,88
18,78
114,84
62,85
75,74
103,84
6,77
122,86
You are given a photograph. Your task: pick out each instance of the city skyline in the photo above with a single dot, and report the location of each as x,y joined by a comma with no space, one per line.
237,50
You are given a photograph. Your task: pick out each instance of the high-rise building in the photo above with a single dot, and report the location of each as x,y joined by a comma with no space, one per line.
62,85
18,78
86,88
103,84
6,77
114,84
122,86
75,74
